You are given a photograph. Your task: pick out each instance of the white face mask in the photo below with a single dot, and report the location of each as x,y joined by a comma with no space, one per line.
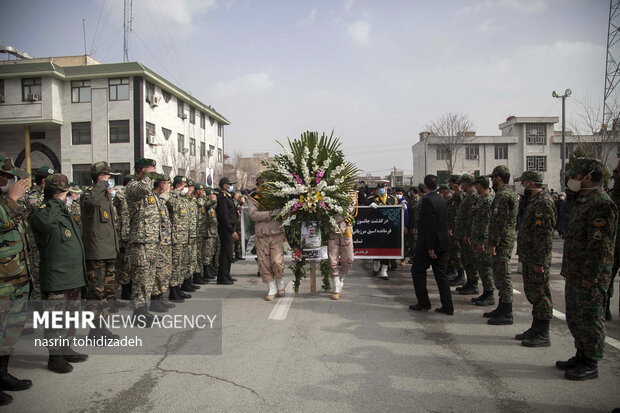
574,184
399,196
184,191
69,201
521,189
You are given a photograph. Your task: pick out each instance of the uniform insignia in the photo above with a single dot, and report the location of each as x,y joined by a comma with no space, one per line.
598,222
163,213
106,215
152,199
5,225
67,233
203,210
538,223
191,208
76,218
43,206
597,235
538,214
212,214
182,212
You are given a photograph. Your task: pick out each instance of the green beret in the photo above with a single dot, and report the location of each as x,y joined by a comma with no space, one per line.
45,171
467,178
179,178
199,185
454,178
586,165
190,182
161,178
444,186
145,162
500,170
57,181
533,176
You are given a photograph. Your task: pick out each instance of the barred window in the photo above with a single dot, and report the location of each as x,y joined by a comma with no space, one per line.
443,153
536,134
501,151
536,163
472,152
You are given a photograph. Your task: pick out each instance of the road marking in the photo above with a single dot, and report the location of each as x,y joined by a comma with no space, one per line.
559,315
516,291
280,311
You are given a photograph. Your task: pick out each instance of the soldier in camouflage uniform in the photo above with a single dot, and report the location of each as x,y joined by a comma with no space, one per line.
164,253
211,249
534,246
14,266
178,208
615,196
144,235
193,235
201,219
462,230
586,266
123,265
73,203
454,261
481,217
502,232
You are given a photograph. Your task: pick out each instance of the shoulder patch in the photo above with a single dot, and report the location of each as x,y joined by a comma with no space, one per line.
597,235
42,206
76,218
599,222
67,233
152,199
105,214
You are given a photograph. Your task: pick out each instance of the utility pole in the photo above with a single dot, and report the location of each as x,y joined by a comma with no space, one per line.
566,94
127,27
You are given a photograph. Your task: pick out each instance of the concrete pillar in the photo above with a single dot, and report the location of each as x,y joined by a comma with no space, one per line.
27,147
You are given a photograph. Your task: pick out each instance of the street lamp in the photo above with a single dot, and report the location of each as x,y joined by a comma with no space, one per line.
566,94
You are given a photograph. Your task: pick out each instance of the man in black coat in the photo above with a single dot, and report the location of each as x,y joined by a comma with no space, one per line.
432,249
226,221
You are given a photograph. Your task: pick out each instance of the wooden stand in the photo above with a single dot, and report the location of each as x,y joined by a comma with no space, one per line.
313,276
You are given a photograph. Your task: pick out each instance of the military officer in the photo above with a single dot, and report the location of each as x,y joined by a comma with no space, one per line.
586,265
227,218
462,230
481,216
534,246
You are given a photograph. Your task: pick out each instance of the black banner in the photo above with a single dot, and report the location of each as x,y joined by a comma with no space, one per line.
379,233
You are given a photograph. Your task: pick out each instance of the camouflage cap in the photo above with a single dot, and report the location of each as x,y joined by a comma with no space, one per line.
444,187
199,185
586,165
500,170
57,181
75,188
467,178
45,171
179,178
7,166
533,176
102,167
145,162
481,178
454,178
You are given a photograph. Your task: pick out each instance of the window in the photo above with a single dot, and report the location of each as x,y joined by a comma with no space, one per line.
150,92
569,149
166,96
181,171
81,174
167,170
150,129
501,151
166,132
443,154
220,129
119,88
123,168
536,134
119,131
219,155
31,86
211,120
80,133
180,142
192,146
202,120
192,115
180,109
80,91
203,151
536,163
37,135
472,152
2,90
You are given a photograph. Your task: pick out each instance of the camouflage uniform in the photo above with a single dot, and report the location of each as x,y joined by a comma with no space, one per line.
586,263
144,237
462,229
164,253
481,215
454,261
201,229
193,235
178,207
615,196
76,212
123,266
211,250
34,199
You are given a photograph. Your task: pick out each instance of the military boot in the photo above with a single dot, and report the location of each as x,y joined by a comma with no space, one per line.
5,398
470,287
175,296
198,279
571,363
459,281
126,291
73,356
530,332
504,317
452,274
165,302
586,370
156,305
57,363
210,272
187,286
182,293
101,332
8,381
607,311
541,337
142,316
486,299
492,313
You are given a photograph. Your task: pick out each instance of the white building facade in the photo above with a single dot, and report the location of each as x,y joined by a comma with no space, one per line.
76,111
525,143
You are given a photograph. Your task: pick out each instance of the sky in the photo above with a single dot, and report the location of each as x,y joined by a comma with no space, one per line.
374,72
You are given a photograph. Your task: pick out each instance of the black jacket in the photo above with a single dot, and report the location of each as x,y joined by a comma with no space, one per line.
226,212
432,226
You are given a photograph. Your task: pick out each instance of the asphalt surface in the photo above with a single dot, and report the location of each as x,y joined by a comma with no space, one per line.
364,353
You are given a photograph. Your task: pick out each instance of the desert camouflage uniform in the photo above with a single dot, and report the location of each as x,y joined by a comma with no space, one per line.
201,229
193,235
178,207
164,253
481,215
76,212
211,250
123,266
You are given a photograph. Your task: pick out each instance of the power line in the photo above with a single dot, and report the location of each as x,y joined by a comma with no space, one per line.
155,57
97,27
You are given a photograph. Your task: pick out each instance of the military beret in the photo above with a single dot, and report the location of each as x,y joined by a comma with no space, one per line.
454,178
161,178
481,178
226,181
500,170
145,162
533,176
45,171
179,178
127,179
585,165
57,181
199,185
467,178
101,167
444,187
190,182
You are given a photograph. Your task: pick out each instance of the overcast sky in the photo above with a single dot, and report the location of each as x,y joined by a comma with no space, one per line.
373,71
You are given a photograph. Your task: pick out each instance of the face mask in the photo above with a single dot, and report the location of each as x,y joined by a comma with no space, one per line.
521,189
399,196
111,183
562,198
381,191
69,201
184,191
574,184
113,193
231,188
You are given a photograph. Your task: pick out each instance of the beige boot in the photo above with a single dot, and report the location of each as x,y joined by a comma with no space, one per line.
271,294
280,286
337,288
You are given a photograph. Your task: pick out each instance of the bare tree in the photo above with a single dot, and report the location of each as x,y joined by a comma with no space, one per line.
592,138
192,165
450,131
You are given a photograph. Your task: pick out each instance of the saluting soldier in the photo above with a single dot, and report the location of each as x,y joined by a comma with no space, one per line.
481,216
462,231
200,275
534,246
14,267
586,266
178,208
73,203
454,261
62,270
164,253
382,198
123,266
193,235
502,233
211,250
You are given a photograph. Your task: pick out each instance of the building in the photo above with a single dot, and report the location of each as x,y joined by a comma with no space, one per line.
76,111
398,178
525,143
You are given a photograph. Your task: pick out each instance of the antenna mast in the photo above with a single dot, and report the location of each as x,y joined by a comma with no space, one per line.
612,68
127,27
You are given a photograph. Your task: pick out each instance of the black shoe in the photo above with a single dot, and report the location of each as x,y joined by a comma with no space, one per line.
175,296
198,279
142,317
114,306
8,381
126,291
527,334
232,279
485,299
156,305
586,370
57,363
73,356
541,339
459,281
467,284
472,289
418,307
186,286
571,363
182,293
491,313
166,303
225,282
210,272
445,311
194,286
473,300
5,398
504,316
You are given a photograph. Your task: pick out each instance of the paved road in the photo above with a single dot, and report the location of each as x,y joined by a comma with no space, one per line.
364,353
